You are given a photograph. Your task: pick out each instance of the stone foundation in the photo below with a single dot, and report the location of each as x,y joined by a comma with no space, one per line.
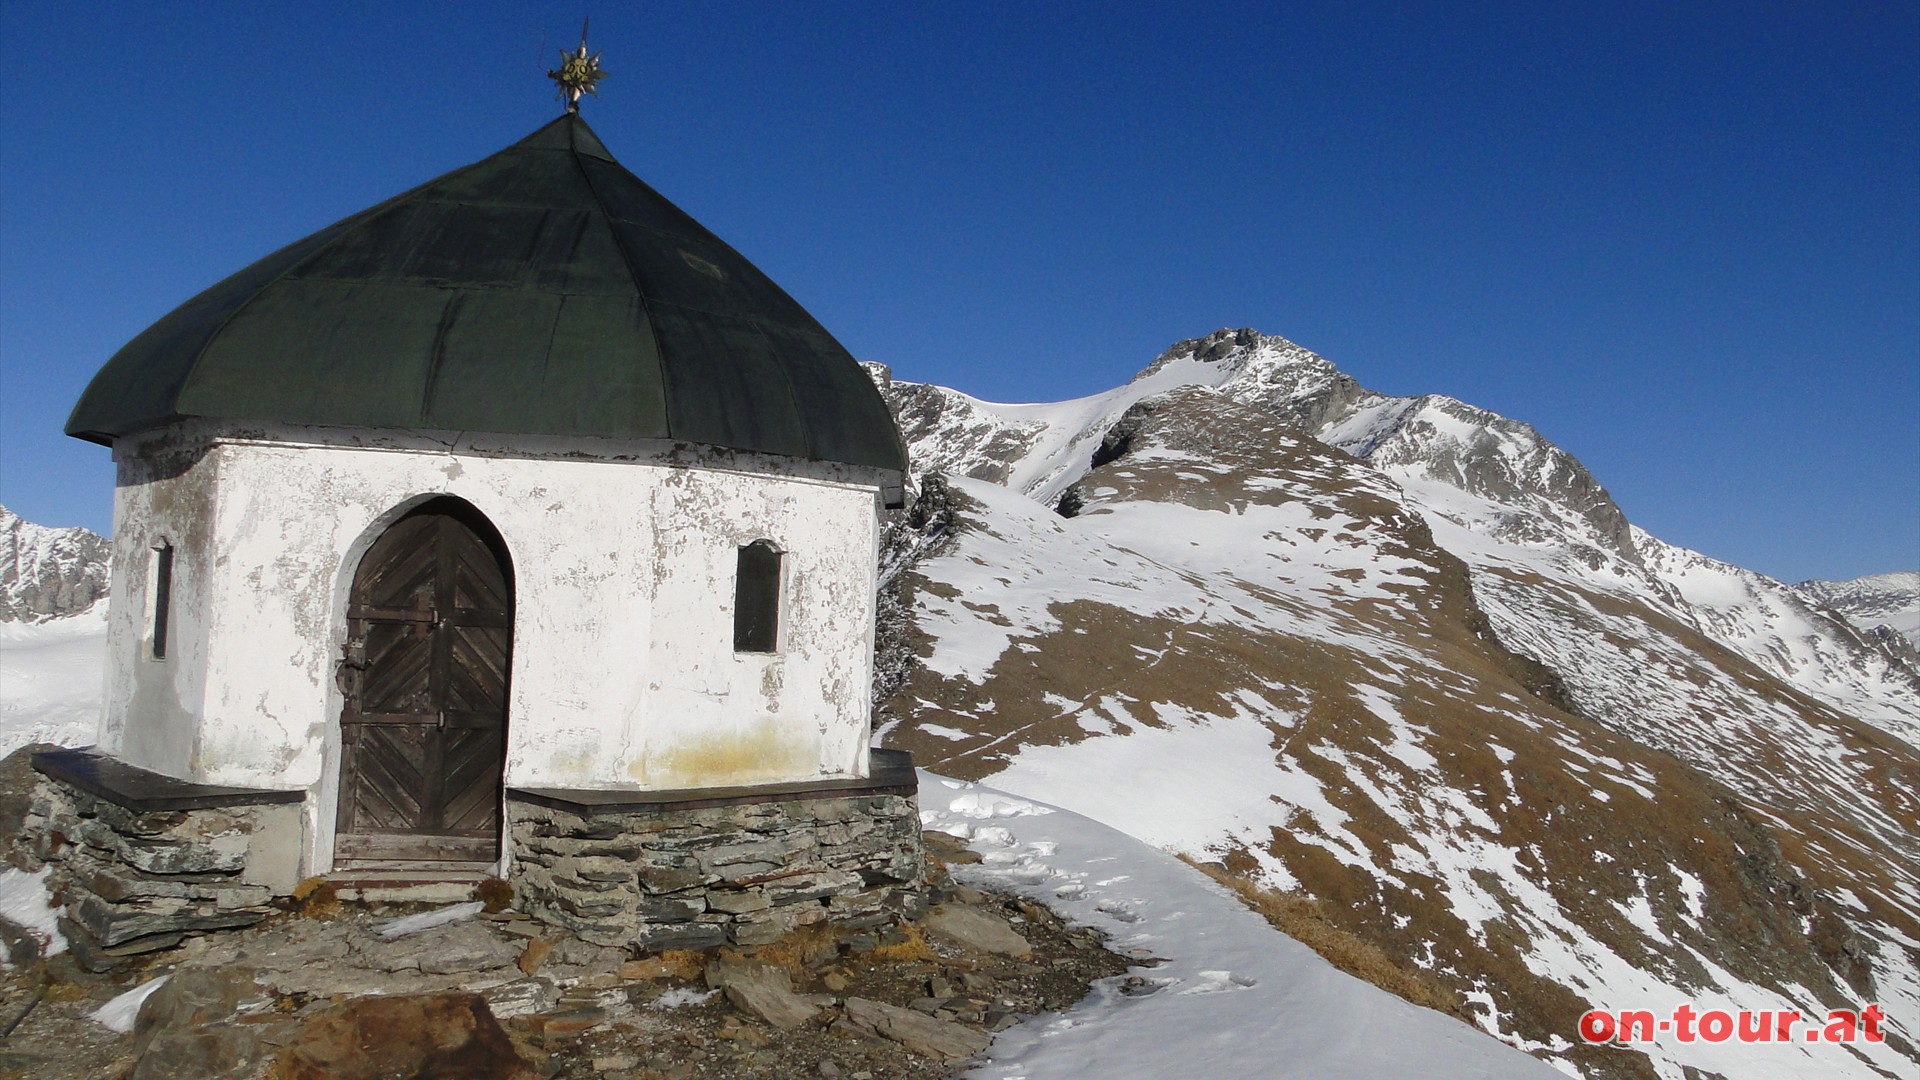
142,860
700,870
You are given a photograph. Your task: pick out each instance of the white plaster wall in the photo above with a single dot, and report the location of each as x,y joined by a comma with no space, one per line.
163,493
624,674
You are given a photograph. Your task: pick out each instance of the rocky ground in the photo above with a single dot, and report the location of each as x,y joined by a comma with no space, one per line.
330,990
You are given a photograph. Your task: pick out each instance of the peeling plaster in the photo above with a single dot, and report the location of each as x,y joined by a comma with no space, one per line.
623,675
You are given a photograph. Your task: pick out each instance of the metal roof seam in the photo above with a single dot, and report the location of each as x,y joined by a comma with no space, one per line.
344,228
633,273
437,358
553,334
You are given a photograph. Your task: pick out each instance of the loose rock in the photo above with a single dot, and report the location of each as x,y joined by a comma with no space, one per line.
763,991
531,958
433,1035
463,946
920,1034
222,1051
183,1031
975,929
192,997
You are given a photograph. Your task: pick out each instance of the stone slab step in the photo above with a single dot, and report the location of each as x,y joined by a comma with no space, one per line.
405,886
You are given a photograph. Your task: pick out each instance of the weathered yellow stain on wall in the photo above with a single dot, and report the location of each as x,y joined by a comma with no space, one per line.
755,753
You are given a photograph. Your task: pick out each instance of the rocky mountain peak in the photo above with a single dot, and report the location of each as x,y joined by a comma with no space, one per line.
1533,489
1264,370
46,573
1405,658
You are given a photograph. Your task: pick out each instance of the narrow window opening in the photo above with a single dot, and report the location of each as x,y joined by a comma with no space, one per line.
756,599
162,597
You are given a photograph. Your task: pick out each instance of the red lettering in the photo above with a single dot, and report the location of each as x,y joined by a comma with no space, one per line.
1683,1016
1596,1026
1689,1024
1870,1017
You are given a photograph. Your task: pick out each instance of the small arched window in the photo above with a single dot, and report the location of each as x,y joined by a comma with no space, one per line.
756,599
162,609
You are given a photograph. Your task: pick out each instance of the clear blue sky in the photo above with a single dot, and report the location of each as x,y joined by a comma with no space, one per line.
1682,240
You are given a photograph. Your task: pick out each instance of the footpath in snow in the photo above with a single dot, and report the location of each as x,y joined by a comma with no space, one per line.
1234,998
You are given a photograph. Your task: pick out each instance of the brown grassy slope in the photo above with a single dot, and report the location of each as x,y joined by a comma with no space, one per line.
1350,600
1840,796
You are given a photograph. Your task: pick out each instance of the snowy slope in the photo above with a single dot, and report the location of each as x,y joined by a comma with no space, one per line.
1213,717
1037,450
1781,631
1407,656
52,680
1230,999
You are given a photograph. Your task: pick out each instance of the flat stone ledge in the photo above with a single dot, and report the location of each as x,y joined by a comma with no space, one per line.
891,774
143,790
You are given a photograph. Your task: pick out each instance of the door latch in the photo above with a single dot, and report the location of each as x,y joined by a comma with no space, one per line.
353,664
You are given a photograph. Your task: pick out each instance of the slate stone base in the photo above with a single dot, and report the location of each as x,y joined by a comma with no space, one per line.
141,860
700,871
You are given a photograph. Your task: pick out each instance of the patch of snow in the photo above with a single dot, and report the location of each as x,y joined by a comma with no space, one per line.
680,997
119,1014
427,920
1693,893
985,803
1638,910
1230,785
25,903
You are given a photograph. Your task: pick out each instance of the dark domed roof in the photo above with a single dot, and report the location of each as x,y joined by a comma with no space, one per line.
544,290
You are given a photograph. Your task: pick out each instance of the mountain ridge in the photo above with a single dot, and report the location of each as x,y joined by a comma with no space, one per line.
1408,658
1886,607
47,573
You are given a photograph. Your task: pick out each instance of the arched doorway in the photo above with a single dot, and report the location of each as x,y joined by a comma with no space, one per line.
424,724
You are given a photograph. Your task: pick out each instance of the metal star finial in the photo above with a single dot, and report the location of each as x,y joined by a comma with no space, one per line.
578,72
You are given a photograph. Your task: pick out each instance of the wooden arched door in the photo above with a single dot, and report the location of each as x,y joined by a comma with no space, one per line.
423,730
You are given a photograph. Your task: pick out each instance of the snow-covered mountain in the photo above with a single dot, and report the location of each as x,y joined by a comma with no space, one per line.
1408,657
46,573
1876,603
